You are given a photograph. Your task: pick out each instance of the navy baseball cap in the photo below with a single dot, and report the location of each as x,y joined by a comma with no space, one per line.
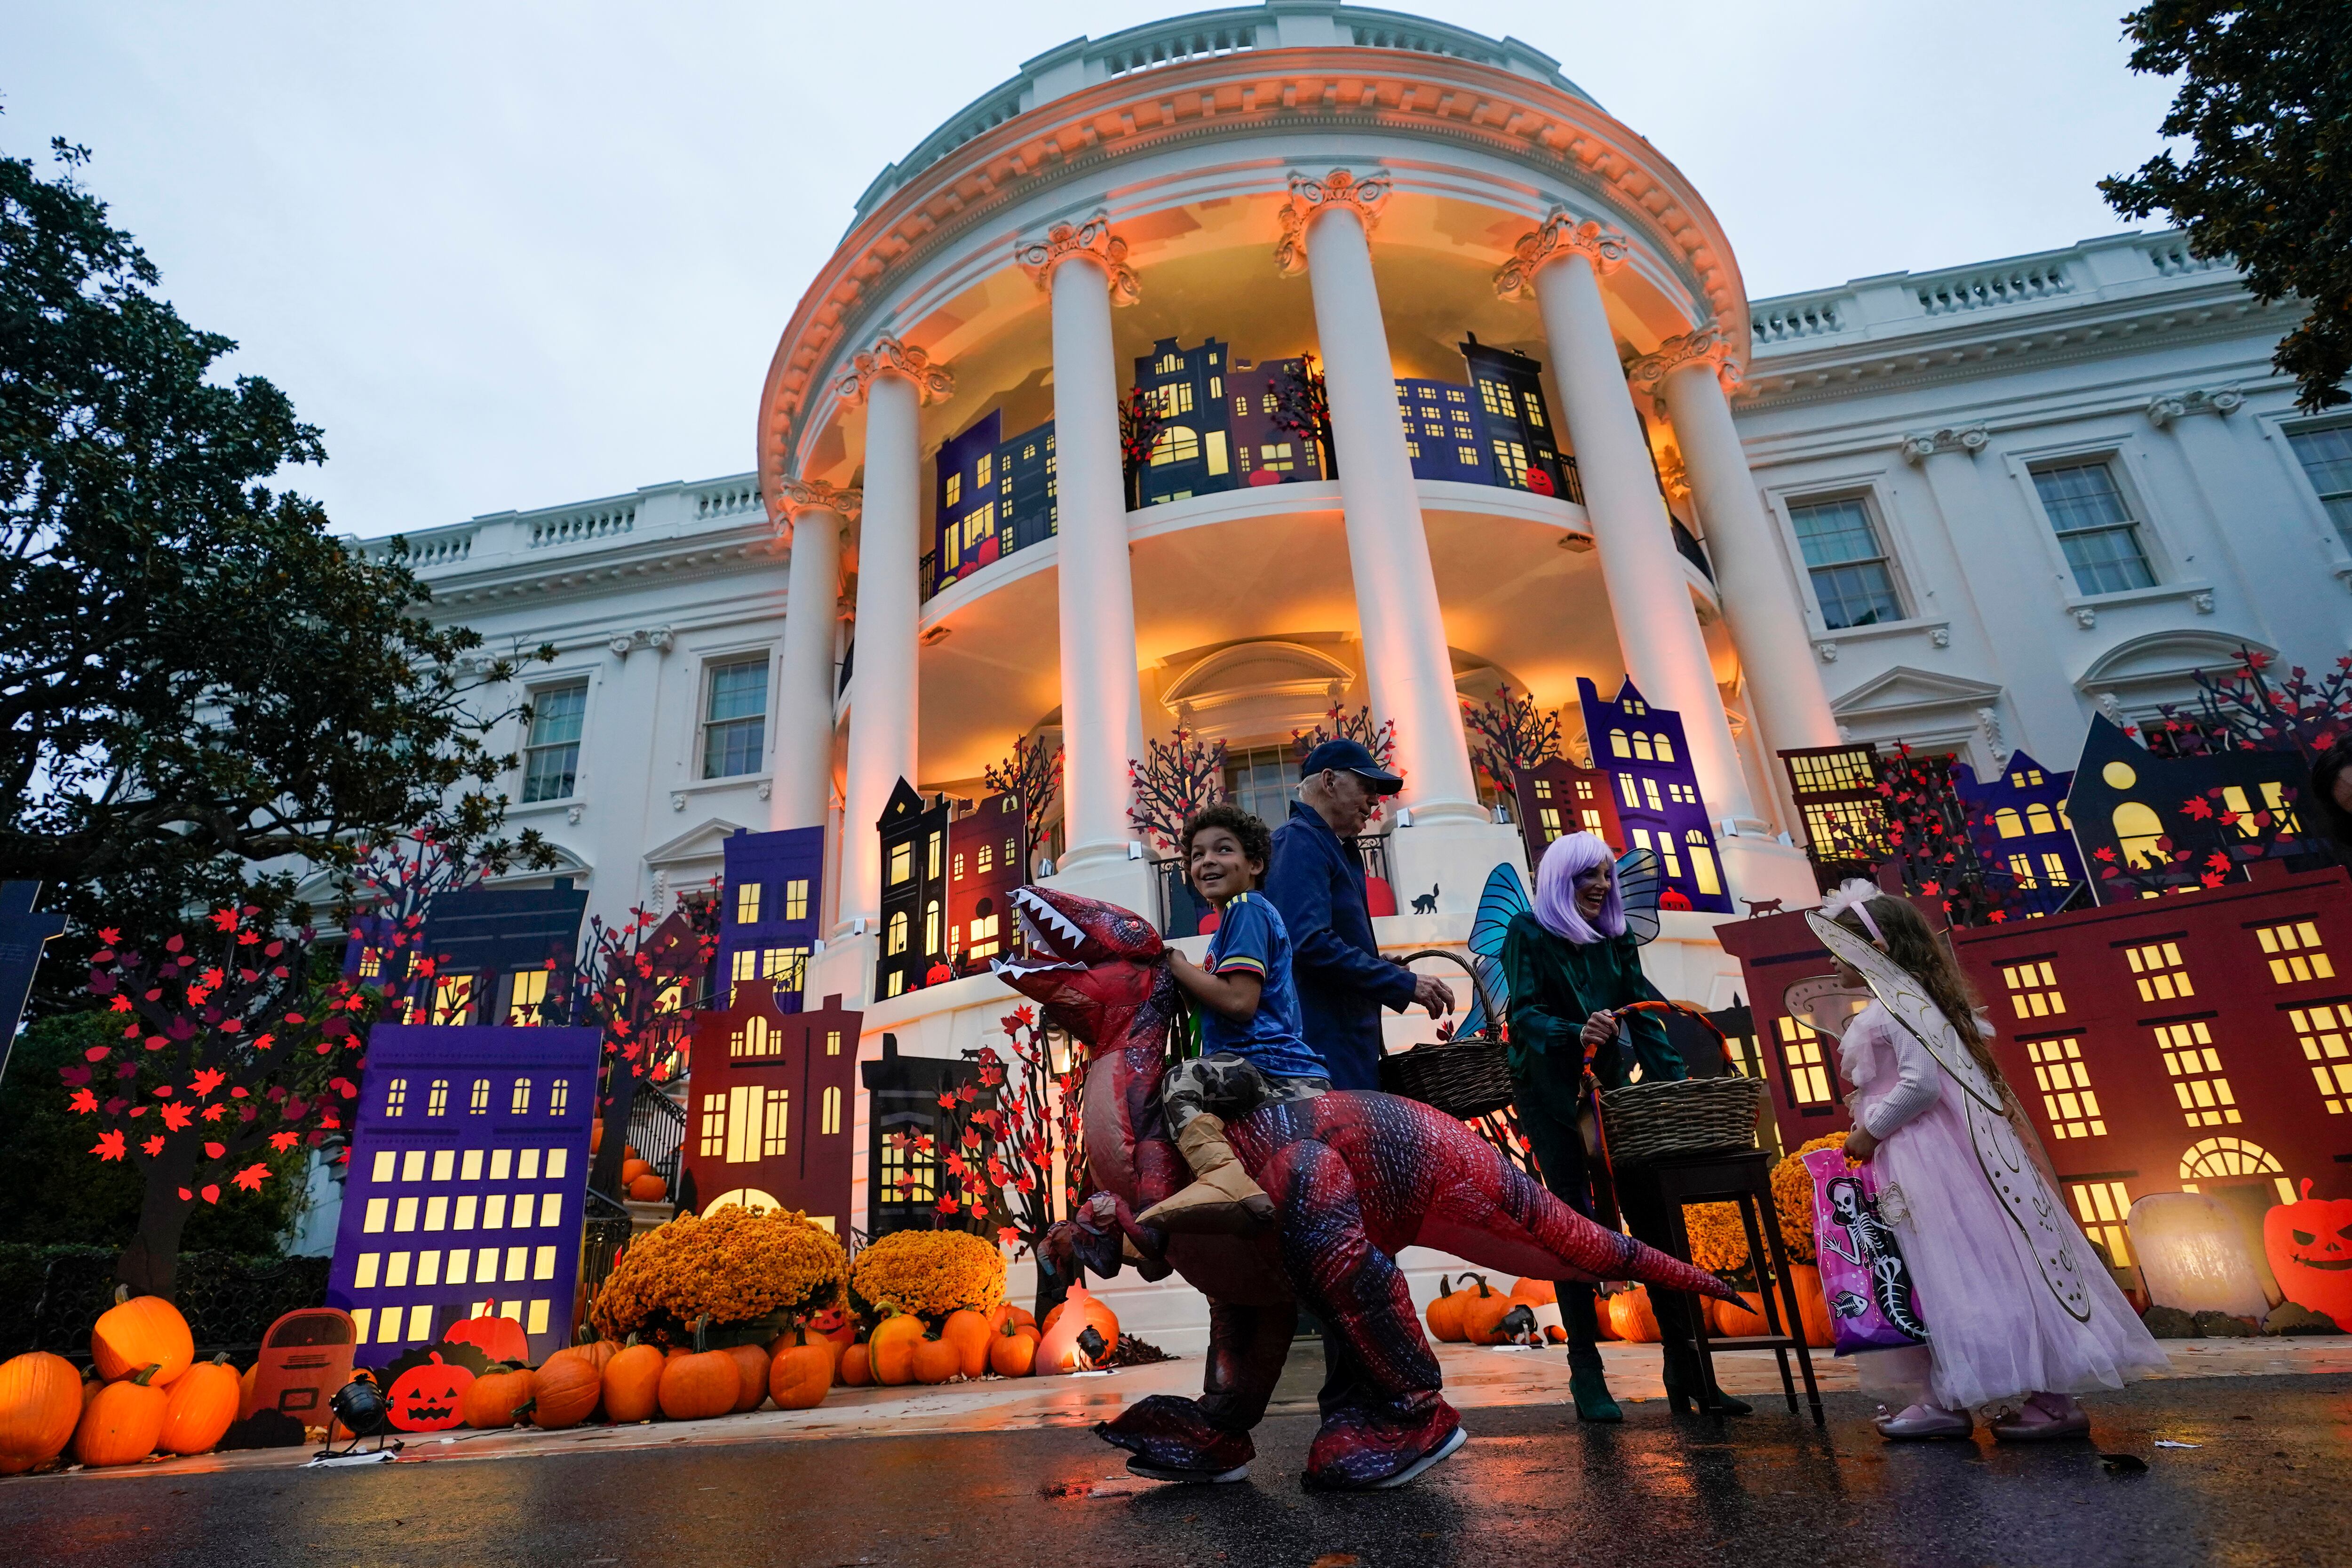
1348,757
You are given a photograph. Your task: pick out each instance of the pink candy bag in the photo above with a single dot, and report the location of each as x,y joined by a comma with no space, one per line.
1864,1277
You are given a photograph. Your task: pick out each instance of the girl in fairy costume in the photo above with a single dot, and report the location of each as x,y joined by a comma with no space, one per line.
2019,1311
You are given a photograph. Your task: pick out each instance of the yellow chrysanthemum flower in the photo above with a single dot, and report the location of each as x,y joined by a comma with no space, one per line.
735,1266
928,1272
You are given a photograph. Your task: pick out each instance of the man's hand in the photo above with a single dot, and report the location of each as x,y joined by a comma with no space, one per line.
1433,993
1599,1029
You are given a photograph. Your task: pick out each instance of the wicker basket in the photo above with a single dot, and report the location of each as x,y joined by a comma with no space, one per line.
1466,1078
1646,1121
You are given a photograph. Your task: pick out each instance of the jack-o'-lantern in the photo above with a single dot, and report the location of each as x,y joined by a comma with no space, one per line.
2309,1245
431,1395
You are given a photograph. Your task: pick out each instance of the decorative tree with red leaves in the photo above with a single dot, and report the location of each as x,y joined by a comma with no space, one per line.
1515,734
1030,1139
1032,775
391,884
1140,420
1926,842
1338,724
228,1049
1175,779
1302,406
2215,850
640,983
2249,710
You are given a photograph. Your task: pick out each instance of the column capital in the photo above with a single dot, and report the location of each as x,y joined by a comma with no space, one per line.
1093,240
1559,235
933,382
1707,346
815,495
1309,196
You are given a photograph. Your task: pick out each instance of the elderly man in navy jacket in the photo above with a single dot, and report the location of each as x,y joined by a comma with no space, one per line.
1317,881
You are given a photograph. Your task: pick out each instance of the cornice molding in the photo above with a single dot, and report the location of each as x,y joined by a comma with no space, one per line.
933,382
1092,239
1429,101
1558,235
797,496
1311,198
1707,346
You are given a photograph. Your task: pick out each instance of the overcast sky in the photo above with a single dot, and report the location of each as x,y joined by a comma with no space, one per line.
514,255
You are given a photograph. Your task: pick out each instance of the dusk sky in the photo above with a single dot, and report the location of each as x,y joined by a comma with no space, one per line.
513,256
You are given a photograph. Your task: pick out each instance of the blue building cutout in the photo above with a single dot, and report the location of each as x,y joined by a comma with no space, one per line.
771,886
500,955
1643,750
2018,821
994,496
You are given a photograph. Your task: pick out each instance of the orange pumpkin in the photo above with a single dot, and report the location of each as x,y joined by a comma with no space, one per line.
832,1324
799,1376
1483,1318
968,1331
648,1189
1006,1312
493,1333
199,1407
1013,1349
565,1391
1444,1313
1535,1292
138,1331
936,1360
1736,1320
633,1383
120,1427
751,1372
40,1405
1631,1315
1104,1320
857,1368
632,1168
244,1391
699,1385
1061,1350
498,1398
1812,1306
2309,1247
892,1347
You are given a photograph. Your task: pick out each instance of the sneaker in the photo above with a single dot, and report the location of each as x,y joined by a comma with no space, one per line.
1925,1424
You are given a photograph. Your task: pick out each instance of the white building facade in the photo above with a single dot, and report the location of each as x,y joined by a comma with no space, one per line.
1964,509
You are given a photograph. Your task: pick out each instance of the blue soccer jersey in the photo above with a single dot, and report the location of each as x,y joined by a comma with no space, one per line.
1250,939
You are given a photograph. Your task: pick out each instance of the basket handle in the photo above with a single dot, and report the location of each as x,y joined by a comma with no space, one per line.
1478,981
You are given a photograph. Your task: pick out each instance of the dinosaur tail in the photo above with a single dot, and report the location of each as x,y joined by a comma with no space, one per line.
1648,1265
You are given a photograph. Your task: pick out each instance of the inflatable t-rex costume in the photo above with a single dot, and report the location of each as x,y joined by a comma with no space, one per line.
1356,1178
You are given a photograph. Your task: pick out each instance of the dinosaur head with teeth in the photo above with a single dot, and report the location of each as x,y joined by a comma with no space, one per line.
1097,970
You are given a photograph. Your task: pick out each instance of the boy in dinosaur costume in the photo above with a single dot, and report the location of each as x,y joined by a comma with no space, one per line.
1355,1178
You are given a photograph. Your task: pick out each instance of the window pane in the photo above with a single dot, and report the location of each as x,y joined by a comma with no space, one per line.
551,760
1859,595
555,715
737,730
1833,533
739,691
1849,567
2083,496
2107,561
2328,458
552,773
2101,541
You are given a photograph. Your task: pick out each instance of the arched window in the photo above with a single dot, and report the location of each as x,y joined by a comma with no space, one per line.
932,928
480,1102
1617,746
1175,444
559,1099
1665,747
1641,747
2228,1156
2139,827
832,1115
1702,859
894,942
2011,826
395,1098
519,1104
2038,819
437,1098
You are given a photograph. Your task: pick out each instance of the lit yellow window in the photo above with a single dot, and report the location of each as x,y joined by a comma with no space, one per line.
1511,459
2008,822
395,1098
2021,868
745,964
931,865
955,489
895,940
1175,444
787,966
755,1039
833,1042
453,998
986,471
2195,1065
529,996
2039,820
902,862
2053,868
984,861
1549,817
747,903
2323,1033
2228,1156
832,1114
2138,830
2295,953
2065,1085
2162,977
2033,989
1801,1053
1641,747
796,895
2103,1207
896,985
1702,859
371,962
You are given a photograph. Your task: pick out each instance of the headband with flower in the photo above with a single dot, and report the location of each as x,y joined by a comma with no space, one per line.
1855,894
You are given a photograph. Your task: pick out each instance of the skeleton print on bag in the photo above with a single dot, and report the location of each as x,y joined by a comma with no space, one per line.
1875,1250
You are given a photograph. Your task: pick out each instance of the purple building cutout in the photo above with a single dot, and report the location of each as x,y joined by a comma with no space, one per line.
2019,822
1643,750
772,884
468,1170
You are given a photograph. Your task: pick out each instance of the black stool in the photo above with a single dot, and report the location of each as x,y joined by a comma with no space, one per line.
1740,1176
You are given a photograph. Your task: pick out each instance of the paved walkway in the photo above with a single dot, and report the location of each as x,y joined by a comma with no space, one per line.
1476,1378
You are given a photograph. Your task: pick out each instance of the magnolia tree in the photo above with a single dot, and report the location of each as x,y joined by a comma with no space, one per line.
228,1055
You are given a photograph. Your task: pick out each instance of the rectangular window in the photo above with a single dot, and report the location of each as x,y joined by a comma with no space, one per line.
2326,1035
2095,528
529,993
2105,1207
2326,456
2033,989
1847,563
2065,1085
2294,953
902,861
1800,1052
2196,1069
735,719
552,759
787,966
747,904
796,895
2162,977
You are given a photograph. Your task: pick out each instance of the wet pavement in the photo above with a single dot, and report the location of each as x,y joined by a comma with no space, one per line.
2263,1485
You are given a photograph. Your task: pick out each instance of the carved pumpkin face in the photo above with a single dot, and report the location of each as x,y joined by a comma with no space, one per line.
430,1396
2309,1245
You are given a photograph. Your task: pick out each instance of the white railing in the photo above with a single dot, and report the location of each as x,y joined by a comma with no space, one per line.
1132,55
1785,322
440,548
2014,284
726,499
2170,259
1426,41
579,527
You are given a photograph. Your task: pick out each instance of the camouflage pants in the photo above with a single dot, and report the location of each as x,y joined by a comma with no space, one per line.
1229,1086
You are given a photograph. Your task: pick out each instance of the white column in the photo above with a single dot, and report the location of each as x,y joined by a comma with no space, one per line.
1657,624
1405,656
1085,269
895,381
1759,598
804,749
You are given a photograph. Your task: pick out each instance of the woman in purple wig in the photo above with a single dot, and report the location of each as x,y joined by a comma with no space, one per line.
1570,967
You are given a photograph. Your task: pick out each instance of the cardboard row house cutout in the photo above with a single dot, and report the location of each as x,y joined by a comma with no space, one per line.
774,1105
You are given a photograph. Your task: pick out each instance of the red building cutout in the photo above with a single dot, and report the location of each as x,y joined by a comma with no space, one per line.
2198,1043
774,1105
1555,798
986,860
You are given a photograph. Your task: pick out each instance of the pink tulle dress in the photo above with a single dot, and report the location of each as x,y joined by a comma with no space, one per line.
1996,1332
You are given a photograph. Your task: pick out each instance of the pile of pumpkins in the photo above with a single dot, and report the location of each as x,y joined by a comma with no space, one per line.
639,1181
147,1393
1467,1309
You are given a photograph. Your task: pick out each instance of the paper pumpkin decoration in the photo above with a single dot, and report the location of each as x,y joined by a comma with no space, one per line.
428,1393
2309,1245
501,1338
